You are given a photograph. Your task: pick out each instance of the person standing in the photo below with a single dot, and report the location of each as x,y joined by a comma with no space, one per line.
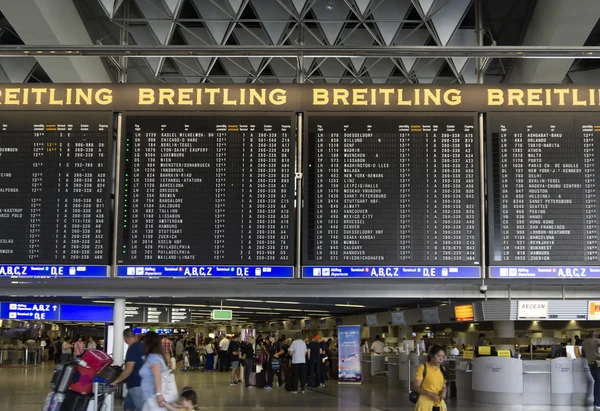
134,360
66,350
91,344
210,355
234,358
377,346
224,354
248,352
591,351
298,351
274,363
152,369
179,348
167,350
314,362
79,347
430,381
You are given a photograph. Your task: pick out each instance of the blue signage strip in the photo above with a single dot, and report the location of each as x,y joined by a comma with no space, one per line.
29,311
87,313
53,271
235,271
545,272
391,272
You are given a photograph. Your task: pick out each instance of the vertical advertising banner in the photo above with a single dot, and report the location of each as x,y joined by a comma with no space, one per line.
349,369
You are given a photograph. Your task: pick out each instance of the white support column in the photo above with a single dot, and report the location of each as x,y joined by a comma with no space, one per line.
119,327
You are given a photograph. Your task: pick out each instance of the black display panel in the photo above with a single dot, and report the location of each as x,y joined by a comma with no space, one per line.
543,188
208,191
391,190
55,177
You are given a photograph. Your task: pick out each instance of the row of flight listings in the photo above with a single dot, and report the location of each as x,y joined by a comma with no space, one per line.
385,195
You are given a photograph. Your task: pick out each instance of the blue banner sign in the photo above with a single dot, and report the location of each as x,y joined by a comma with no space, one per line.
545,272
53,271
87,313
156,330
206,271
391,272
349,366
29,311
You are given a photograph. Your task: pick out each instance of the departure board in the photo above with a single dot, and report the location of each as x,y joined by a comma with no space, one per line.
207,195
391,195
543,210
55,176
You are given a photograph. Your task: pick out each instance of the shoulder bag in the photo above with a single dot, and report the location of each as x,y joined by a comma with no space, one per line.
413,396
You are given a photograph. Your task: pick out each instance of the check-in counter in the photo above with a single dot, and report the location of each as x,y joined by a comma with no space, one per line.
562,381
464,379
583,383
404,371
498,380
393,370
537,383
378,369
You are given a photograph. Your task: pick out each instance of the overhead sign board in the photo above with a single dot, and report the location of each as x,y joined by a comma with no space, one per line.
430,315
298,97
29,311
157,315
180,315
135,314
398,318
224,315
464,313
372,320
532,310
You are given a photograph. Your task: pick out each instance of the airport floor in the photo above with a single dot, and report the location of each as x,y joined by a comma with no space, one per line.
24,389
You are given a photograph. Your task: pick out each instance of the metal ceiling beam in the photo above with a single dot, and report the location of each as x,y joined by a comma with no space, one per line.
580,52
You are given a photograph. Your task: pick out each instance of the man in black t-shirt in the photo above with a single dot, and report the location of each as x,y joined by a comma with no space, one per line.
314,362
235,349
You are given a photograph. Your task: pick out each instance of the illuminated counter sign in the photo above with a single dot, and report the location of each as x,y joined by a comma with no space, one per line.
29,311
391,272
53,271
464,312
544,272
206,271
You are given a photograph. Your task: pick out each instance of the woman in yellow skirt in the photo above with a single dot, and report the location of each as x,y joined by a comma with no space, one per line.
431,387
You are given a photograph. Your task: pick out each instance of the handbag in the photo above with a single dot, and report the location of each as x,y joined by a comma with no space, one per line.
169,387
275,364
413,396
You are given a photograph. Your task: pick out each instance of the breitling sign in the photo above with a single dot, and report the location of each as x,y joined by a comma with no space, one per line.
299,97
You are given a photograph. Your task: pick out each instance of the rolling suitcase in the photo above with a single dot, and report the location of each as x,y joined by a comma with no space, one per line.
261,380
54,401
63,377
252,379
95,359
76,402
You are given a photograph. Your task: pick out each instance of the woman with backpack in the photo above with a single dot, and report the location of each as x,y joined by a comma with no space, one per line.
430,381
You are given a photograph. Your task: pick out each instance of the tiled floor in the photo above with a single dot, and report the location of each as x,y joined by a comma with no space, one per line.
25,390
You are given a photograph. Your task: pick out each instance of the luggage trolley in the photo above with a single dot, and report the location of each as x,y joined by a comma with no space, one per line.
104,397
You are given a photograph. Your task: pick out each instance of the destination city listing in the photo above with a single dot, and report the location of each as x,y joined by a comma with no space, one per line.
53,271
392,272
220,271
545,272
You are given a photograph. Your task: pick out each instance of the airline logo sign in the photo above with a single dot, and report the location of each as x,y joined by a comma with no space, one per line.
593,311
533,310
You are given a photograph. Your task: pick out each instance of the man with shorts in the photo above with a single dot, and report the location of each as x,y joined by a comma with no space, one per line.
133,362
235,349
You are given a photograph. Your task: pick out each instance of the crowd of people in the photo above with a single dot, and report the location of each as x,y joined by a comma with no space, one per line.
67,348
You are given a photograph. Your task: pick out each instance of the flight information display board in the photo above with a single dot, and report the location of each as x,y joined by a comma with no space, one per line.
207,195
392,196
543,210
55,176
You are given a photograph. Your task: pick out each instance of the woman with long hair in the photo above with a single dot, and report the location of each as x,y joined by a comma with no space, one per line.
430,381
151,371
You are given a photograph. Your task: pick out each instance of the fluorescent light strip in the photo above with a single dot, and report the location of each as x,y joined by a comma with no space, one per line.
350,305
189,305
257,308
224,306
287,309
316,311
282,302
244,301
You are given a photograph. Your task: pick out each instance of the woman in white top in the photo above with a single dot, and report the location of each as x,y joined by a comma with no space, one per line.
210,355
67,350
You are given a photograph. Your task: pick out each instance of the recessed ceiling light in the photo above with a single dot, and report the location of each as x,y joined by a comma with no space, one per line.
282,302
350,305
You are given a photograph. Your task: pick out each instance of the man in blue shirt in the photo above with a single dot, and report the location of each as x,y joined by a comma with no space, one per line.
131,374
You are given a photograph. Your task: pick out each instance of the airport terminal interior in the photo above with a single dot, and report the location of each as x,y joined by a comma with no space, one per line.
299,204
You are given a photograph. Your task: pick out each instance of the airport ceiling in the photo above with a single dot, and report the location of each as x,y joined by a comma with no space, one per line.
371,23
